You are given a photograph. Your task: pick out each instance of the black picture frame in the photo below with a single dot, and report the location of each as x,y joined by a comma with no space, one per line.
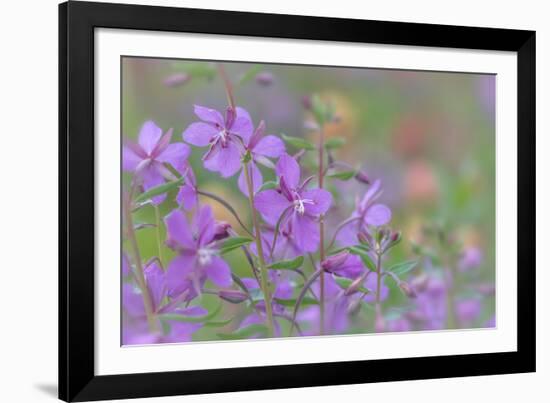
77,378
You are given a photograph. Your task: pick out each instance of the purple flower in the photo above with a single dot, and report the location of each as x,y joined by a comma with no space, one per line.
224,136
367,213
260,147
146,158
301,206
197,258
431,305
135,326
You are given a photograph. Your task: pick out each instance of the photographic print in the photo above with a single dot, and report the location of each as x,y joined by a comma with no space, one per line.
270,200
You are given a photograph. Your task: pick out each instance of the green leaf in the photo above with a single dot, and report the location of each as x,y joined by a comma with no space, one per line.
220,323
287,264
158,190
335,142
298,142
343,176
306,301
364,254
245,332
250,73
234,243
191,319
402,268
344,283
268,185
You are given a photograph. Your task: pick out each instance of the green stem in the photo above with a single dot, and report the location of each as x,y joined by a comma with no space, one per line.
159,239
147,302
259,247
321,235
378,308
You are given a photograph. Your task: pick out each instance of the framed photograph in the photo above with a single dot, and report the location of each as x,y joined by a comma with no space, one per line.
257,201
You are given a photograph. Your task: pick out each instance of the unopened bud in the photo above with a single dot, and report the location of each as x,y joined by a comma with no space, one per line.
264,78
333,262
395,237
365,238
354,286
176,80
221,230
407,289
233,296
362,177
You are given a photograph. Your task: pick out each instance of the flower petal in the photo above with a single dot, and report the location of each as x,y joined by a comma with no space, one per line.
305,232
377,215
199,134
187,197
218,272
149,135
289,168
370,195
242,125
271,204
178,274
257,179
179,231
130,160
321,199
205,225
270,146
175,154
156,283
209,115
225,160
151,178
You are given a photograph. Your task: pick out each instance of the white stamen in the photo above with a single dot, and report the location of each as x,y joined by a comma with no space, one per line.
205,256
299,205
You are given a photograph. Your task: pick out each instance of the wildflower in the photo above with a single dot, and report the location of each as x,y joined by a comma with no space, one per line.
223,136
198,255
367,213
146,158
471,258
301,206
260,148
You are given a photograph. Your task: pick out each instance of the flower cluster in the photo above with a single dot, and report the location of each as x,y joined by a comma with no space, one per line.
304,277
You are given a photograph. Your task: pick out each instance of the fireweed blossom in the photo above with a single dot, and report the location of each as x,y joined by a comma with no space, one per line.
136,329
367,213
260,148
146,158
224,137
301,206
198,255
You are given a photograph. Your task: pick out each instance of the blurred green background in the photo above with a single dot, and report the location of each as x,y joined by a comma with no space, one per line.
429,136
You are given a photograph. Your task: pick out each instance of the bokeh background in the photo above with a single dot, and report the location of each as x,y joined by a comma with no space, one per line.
429,136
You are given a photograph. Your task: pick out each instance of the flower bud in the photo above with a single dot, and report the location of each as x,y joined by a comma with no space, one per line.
221,230
354,286
233,296
264,78
365,238
407,289
176,80
395,237
333,262
362,177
